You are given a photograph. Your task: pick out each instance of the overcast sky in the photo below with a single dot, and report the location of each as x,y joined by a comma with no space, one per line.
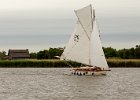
40,24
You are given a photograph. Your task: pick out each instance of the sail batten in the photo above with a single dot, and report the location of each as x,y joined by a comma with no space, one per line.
85,45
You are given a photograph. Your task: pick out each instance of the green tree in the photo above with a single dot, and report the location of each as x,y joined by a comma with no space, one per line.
2,54
43,54
55,52
33,55
110,52
137,51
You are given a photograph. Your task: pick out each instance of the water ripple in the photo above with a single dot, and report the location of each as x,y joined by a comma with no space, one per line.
53,84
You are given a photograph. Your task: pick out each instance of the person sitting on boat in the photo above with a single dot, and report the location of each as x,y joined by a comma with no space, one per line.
98,68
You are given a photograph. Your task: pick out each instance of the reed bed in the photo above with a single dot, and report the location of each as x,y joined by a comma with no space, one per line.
124,62
51,63
37,63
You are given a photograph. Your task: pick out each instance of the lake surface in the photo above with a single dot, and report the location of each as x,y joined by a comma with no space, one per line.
54,84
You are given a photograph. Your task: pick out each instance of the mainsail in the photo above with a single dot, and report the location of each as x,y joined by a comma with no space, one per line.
77,48
84,45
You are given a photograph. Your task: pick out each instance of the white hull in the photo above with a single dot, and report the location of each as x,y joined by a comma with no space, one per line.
89,71
83,73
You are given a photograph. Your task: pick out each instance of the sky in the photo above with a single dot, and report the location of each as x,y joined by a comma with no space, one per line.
40,24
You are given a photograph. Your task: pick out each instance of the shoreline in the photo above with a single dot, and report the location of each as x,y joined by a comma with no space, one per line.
53,63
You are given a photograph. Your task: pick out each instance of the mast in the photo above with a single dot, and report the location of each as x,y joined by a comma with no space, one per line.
90,36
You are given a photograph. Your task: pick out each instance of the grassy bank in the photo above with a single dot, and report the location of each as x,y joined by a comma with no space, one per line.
124,62
57,63
37,63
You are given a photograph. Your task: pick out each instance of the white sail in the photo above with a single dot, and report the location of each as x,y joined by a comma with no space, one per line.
97,56
85,18
84,45
77,48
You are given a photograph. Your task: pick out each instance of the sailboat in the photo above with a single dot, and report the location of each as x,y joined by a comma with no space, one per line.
84,45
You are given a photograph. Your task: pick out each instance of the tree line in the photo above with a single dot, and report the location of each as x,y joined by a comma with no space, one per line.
47,54
132,53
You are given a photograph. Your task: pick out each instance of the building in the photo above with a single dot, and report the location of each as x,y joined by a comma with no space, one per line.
18,54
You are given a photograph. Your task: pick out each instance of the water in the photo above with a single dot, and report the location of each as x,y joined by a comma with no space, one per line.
53,84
